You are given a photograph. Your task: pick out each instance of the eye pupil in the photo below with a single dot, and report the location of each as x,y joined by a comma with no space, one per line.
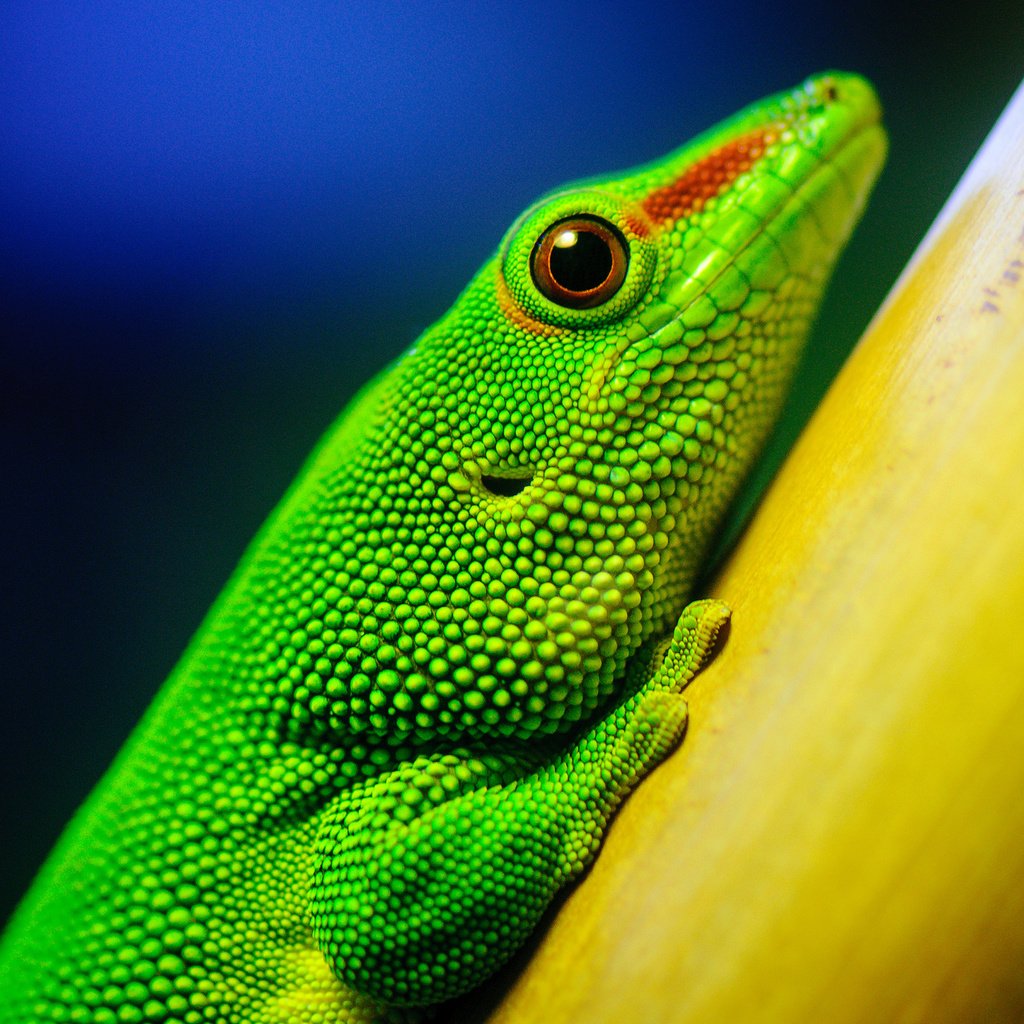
580,262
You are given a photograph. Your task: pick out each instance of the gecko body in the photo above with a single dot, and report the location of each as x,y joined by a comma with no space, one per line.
460,640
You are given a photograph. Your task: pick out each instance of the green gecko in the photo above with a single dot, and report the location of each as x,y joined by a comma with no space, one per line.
461,639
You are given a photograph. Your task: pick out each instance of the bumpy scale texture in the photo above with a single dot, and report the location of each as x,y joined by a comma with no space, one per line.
460,640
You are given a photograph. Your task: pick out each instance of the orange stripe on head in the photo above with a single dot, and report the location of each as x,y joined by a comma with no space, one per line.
707,178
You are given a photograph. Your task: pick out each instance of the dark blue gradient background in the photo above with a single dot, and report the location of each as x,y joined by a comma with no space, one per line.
216,220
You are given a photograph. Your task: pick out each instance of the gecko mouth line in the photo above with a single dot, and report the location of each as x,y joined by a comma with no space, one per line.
833,160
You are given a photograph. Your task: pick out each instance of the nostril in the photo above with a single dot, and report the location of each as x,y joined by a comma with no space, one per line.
506,486
829,92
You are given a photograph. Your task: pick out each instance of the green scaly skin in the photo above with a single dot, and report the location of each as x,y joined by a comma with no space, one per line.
461,639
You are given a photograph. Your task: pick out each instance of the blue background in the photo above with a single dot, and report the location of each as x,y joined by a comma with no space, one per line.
216,220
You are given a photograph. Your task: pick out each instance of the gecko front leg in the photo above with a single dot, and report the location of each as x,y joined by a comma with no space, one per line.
428,877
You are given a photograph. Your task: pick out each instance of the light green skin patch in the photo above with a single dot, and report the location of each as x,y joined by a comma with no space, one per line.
461,639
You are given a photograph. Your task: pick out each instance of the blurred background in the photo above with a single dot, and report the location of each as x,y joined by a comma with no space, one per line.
217,220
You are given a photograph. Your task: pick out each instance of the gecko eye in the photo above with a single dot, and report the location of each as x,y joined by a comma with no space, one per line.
580,262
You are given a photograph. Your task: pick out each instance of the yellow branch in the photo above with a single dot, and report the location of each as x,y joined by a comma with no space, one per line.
841,836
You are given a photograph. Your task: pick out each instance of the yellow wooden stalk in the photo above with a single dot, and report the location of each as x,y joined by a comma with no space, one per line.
841,836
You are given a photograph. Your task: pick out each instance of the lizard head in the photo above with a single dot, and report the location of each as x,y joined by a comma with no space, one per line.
521,501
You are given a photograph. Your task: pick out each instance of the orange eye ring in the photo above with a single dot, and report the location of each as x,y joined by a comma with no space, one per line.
580,262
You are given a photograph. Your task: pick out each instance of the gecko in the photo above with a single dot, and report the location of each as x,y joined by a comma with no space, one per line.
462,637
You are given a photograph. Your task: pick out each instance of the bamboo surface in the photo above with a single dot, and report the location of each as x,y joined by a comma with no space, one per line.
841,835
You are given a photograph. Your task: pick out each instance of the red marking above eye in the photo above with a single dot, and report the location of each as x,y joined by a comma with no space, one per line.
707,178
